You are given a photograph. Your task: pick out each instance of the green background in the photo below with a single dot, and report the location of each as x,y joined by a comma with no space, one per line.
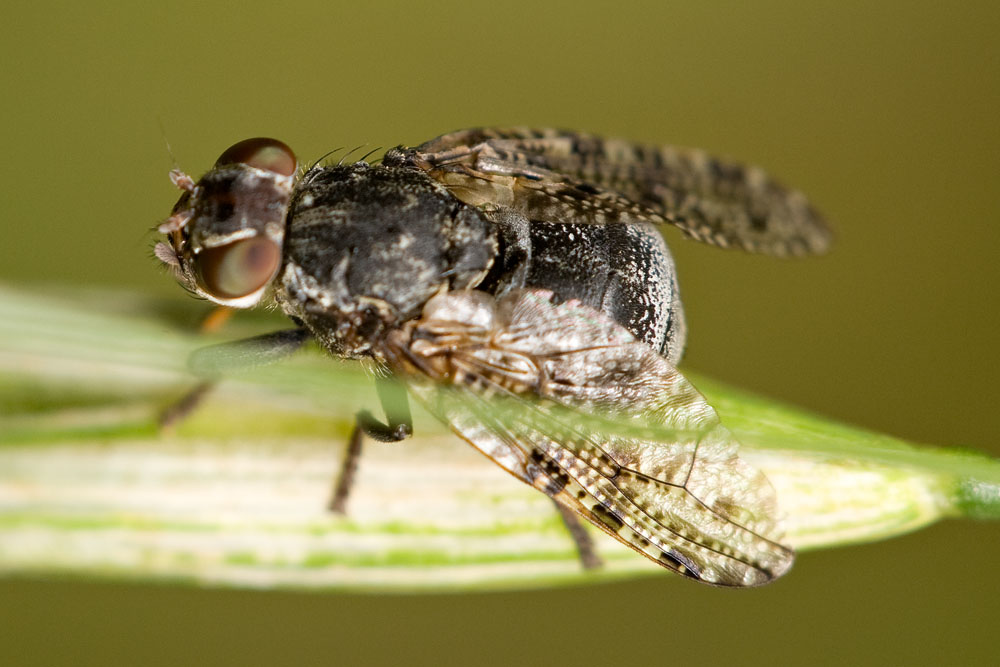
884,113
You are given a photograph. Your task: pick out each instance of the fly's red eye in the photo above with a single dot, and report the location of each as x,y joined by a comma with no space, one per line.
261,153
238,269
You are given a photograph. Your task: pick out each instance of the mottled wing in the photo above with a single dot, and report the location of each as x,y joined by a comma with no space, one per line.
555,176
568,401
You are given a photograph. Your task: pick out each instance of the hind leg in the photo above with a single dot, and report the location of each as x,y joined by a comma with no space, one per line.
584,540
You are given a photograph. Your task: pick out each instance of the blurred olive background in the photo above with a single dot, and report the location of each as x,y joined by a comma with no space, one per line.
886,114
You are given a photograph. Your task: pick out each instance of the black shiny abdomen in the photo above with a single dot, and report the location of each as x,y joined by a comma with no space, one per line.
623,270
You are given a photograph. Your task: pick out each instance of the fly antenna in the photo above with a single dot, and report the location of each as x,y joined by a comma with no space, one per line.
166,142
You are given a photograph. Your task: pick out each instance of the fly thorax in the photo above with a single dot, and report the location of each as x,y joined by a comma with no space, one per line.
367,246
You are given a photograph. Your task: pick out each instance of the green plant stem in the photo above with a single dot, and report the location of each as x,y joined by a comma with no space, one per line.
236,495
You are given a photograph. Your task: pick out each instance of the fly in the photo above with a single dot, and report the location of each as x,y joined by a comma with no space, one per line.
516,283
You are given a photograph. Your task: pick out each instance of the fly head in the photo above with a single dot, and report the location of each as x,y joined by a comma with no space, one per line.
225,232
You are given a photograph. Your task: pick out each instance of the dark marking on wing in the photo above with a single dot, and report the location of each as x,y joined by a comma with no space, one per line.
562,176
678,562
566,399
605,516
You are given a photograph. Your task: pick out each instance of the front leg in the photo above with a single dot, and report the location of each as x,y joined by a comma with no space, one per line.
212,362
216,360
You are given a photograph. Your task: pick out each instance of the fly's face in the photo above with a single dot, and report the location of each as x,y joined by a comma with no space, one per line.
226,231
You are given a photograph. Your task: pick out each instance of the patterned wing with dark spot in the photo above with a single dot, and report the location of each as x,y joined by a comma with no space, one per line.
569,402
555,175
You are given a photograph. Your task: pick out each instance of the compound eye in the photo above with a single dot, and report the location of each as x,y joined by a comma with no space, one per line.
261,153
238,269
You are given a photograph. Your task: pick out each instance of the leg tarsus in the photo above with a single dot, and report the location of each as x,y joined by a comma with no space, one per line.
180,409
396,405
348,468
584,540
376,430
392,395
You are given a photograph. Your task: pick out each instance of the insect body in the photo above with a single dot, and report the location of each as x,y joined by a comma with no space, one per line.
516,281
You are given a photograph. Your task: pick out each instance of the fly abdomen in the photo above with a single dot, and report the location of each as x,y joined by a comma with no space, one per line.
622,270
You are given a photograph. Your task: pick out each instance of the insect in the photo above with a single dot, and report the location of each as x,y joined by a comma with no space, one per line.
516,282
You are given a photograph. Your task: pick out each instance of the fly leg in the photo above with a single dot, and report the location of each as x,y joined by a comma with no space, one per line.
177,411
396,405
534,476
398,426
584,540
186,404
211,363
344,481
